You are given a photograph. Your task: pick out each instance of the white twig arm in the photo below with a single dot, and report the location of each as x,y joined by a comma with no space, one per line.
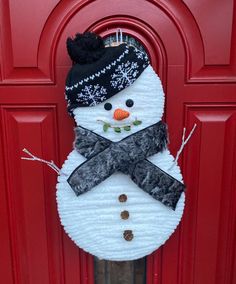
184,142
51,164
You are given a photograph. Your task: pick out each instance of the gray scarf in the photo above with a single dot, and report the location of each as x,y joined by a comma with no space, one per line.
128,156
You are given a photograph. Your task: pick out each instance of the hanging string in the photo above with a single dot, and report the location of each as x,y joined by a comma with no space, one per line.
34,158
117,36
121,35
184,142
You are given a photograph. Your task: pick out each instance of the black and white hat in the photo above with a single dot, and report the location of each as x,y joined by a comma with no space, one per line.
99,72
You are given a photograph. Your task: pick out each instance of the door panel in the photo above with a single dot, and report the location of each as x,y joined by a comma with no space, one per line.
31,209
211,217
194,54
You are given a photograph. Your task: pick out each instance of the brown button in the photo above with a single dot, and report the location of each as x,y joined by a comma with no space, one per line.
123,198
124,214
128,235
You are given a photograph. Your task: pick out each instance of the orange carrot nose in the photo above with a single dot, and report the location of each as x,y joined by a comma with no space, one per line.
120,114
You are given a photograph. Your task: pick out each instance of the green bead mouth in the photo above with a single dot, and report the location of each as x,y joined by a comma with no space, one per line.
119,128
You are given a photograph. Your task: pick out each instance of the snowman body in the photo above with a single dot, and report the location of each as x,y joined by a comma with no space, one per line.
117,220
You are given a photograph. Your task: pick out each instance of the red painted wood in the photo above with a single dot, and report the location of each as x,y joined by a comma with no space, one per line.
217,37
194,54
25,55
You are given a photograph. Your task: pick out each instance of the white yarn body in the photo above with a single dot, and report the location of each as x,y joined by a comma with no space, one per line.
93,220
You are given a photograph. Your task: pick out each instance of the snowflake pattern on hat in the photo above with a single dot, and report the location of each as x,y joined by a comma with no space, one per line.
92,94
124,75
140,54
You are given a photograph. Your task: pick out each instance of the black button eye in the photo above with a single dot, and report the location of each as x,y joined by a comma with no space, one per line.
108,106
129,103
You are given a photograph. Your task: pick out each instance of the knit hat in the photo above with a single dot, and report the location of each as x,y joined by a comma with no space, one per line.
99,72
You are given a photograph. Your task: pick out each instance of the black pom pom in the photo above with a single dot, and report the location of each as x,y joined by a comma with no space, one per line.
85,48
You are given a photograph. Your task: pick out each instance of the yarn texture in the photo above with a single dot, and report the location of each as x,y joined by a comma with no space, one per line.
117,220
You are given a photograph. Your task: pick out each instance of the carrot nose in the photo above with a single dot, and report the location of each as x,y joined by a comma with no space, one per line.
120,114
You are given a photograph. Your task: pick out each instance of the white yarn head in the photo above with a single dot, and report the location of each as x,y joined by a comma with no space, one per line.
148,98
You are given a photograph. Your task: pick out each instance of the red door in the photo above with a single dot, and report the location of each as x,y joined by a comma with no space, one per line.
192,47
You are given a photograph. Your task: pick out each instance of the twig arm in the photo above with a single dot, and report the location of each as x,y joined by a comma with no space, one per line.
184,142
51,164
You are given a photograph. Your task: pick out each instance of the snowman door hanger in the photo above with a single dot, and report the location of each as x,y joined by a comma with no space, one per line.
120,193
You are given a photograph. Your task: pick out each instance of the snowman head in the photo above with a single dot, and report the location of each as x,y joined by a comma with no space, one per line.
116,92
